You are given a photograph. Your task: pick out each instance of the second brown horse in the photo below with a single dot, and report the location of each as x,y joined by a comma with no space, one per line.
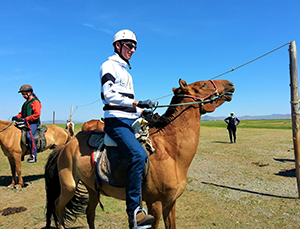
14,149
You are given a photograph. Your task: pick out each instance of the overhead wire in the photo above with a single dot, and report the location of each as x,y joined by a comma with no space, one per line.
84,105
232,69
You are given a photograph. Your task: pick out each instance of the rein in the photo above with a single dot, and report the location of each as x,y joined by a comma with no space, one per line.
6,127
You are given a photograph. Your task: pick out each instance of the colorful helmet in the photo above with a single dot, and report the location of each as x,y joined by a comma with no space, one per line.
232,113
25,88
125,34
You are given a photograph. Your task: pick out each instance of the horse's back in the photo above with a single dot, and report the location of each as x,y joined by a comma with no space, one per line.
93,124
56,135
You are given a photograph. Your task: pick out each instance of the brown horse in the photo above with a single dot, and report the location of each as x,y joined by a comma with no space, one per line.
93,124
175,137
14,149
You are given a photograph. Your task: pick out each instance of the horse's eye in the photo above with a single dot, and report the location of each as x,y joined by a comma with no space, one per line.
204,85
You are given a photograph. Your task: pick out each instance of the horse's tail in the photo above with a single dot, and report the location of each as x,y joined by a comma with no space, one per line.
76,206
52,184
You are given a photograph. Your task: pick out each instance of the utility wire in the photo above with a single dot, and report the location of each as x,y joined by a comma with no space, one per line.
236,67
250,61
84,105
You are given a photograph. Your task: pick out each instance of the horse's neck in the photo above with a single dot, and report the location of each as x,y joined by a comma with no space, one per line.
4,124
181,136
5,129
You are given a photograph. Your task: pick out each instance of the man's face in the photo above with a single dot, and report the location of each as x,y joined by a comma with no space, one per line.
127,50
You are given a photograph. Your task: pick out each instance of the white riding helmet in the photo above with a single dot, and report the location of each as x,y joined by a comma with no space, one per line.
125,34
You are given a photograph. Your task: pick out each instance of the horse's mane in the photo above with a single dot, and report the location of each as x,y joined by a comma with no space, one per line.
166,118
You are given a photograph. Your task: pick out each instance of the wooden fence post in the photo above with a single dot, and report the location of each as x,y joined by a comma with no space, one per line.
53,117
295,108
71,113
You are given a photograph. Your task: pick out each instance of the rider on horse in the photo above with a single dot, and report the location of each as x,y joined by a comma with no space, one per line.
120,112
30,114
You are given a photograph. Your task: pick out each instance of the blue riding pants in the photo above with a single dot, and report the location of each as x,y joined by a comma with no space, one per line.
30,139
119,129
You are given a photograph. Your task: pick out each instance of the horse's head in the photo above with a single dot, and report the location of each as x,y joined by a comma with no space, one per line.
70,127
210,94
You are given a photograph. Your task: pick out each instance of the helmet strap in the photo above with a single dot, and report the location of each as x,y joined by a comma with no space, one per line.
122,57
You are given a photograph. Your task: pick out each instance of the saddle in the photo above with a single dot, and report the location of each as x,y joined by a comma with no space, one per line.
111,165
39,137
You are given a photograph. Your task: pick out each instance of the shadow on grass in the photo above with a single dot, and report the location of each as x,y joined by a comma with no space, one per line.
6,180
221,142
68,227
286,172
249,191
284,160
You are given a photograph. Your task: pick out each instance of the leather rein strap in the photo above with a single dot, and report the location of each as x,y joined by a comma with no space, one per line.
6,126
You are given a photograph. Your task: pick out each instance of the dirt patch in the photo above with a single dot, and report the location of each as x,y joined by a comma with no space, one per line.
250,184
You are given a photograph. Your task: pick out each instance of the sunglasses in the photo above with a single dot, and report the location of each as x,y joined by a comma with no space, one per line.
129,45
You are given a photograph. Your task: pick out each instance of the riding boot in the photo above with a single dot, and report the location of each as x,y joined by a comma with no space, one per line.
140,219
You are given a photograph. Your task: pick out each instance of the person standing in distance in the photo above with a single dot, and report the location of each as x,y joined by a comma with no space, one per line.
30,114
120,111
232,122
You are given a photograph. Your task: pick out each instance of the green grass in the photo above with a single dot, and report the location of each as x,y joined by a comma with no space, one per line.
284,124
77,127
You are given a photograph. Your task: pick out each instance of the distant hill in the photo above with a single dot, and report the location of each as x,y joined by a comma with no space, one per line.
248,117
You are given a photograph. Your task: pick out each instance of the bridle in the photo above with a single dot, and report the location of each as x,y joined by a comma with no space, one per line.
215,93
207,99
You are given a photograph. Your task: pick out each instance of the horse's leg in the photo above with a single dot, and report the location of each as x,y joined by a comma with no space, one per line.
17,158
13,173
169,216
155,209
91,208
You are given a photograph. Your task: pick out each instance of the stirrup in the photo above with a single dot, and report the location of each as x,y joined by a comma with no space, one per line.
136,211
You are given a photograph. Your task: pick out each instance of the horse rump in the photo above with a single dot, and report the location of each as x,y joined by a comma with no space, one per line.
76,206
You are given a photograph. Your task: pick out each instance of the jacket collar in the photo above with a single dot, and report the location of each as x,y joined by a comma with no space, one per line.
119,60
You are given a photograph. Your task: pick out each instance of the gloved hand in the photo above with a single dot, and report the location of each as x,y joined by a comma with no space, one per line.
20,120
146,103
147,115
14,118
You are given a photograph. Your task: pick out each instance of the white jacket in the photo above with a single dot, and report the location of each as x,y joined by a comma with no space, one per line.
117,92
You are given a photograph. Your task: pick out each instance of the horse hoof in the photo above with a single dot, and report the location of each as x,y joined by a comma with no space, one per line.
9,188
18,190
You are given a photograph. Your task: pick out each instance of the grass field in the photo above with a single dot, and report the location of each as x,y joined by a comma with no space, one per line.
262,124
250,184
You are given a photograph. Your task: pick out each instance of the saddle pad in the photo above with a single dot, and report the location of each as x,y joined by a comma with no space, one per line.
112,167
96,138
40,139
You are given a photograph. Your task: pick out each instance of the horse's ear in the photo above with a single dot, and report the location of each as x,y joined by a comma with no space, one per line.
183,85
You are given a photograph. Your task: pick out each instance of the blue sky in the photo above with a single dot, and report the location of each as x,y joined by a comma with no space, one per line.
59,46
